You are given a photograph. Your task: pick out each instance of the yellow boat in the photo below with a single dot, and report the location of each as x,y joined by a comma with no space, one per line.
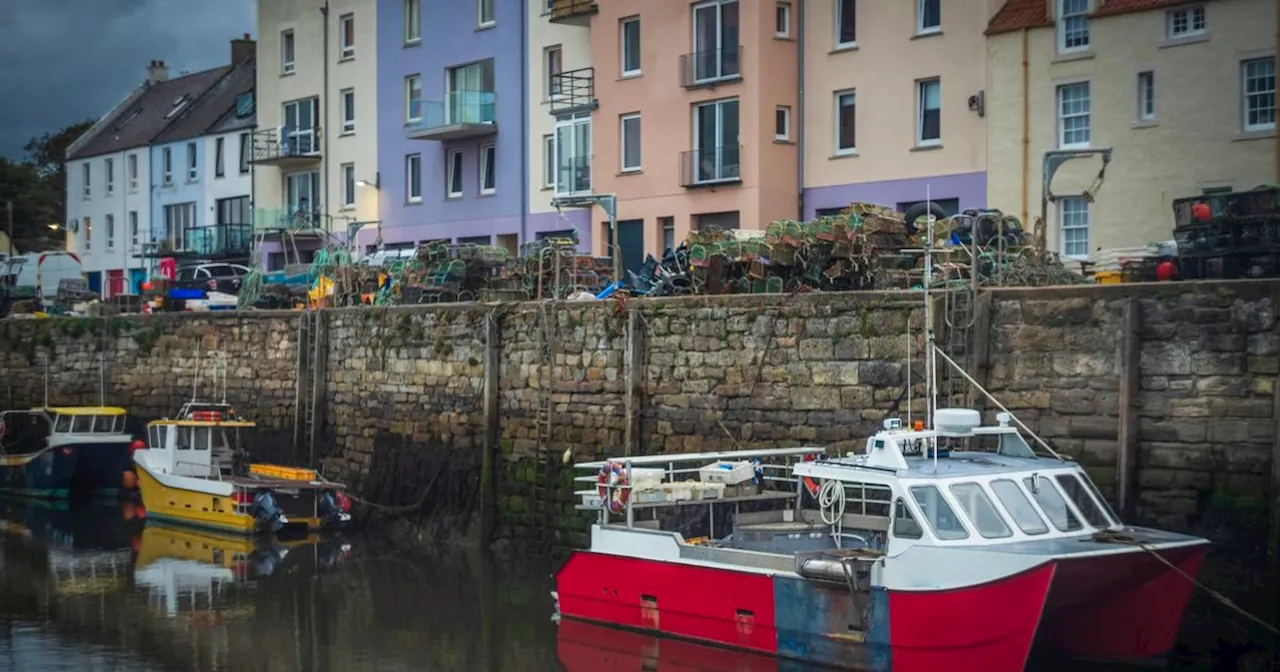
189,474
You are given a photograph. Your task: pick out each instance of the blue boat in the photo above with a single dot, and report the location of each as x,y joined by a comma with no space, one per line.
58,452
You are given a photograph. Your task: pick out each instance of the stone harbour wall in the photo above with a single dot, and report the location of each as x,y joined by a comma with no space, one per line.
1166,392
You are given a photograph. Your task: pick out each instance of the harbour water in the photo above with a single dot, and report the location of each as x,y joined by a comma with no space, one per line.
98,588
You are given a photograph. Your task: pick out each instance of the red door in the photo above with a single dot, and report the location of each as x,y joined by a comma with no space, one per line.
115,283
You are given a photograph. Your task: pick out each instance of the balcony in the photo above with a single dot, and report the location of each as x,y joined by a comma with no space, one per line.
461,115
711,166
711,68
573,176
573,91
574,12
286,147
271,222
219,242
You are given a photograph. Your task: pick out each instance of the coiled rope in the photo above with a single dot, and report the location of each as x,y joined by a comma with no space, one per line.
831,504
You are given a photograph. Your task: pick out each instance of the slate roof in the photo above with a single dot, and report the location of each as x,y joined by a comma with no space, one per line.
1019,14
210,108
138,121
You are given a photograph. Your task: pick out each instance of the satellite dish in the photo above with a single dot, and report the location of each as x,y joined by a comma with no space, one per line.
73,226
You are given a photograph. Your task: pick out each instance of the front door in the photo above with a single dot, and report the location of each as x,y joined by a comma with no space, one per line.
630,244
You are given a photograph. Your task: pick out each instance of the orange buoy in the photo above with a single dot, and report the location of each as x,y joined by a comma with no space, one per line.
127,511
129,480
1201,212
138,444
140,512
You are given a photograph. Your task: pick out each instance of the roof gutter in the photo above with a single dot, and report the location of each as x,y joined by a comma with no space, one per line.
798,122
524,123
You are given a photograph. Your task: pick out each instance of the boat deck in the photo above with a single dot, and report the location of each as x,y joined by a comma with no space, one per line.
253,481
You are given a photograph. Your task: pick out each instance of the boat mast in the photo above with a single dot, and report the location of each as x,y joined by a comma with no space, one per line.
931,358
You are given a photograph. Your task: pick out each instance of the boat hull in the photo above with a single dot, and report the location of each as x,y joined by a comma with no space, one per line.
194,507
100,467
988,627
47,474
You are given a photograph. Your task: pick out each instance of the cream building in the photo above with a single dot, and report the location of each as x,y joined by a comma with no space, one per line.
1182,93
315,148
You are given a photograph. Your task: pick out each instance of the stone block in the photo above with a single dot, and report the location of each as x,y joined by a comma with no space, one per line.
879,373
816,349
1176,456
815,398
1073,402
835,373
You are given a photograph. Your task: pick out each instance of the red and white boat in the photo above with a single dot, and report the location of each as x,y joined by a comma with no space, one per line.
953,546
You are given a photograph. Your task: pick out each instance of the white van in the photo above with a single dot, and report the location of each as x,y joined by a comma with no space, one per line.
44,270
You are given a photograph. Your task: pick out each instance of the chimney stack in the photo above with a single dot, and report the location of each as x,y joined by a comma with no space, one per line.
242,49
157,72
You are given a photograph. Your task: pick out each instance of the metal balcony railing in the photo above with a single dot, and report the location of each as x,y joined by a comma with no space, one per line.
219,241
573,175
710,165
711,67
461,114
573,91
269,220
566,10
286,144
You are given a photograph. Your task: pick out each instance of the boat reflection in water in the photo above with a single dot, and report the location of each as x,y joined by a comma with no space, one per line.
586,647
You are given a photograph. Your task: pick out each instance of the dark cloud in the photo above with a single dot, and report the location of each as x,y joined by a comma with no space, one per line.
69,60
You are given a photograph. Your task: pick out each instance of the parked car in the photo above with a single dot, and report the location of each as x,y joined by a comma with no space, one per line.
213,277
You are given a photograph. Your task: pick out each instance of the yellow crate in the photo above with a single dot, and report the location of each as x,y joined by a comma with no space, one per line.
286,473
1107,277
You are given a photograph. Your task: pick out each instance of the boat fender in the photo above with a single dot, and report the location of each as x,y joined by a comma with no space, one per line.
269,516
810,484
611,484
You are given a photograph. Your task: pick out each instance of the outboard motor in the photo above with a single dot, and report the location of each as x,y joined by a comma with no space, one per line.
270,516
334,507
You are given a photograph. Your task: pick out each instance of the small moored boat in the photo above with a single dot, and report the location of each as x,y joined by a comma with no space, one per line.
54,452
189,473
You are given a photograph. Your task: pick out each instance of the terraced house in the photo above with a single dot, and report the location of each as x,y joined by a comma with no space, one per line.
313,156
1181,95
116,183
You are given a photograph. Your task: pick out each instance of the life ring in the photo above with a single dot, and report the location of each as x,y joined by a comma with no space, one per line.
611,485
809,483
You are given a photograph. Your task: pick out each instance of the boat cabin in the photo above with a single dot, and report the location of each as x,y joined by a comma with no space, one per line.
32,430
197,443
958,483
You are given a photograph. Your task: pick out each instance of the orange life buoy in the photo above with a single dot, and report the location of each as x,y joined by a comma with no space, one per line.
611,485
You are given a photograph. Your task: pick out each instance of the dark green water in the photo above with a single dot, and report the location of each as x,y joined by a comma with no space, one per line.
94,590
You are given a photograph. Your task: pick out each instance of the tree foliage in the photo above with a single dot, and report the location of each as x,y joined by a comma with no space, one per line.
37,188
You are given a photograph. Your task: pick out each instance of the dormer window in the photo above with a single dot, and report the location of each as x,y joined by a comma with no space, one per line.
1073,25
178,103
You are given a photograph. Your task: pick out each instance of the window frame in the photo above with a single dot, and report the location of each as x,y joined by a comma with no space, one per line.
549,161
622,142
782,20
166,164
1245,94
412,182
193,162
1063,19
838,96
934,530
409,119
785,111
131,163
922,29
488,162
1062,226
347,112
346,49
246,153
1026,506
1146,96
412,20
839,17
1189,13
133,228
288,52
86,175
1059,97
109,174
980,497
552,66
481,7
622,46
111,231
921,101
453,174
348,171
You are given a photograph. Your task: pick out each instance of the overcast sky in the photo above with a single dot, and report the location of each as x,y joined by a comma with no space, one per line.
69,60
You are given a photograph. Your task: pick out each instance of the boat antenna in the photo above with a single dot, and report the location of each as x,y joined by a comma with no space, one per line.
102,379
195,381
46,378
931,361
910,356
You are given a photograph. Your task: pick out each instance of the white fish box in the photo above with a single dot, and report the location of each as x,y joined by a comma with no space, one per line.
592,501
728,473
678,492
708,491
649,496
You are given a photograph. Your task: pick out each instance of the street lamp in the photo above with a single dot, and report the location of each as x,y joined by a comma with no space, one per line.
376,183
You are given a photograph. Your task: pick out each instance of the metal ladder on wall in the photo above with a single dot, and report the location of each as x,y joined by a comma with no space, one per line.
308,382
961,299
543,488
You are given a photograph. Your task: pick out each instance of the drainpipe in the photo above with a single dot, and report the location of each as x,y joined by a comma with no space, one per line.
324,114
524,124
1026,116
798,122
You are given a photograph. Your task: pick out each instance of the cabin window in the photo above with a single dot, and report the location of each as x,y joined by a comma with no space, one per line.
904,524
980,511
1075,490
81,424
62,424
219,439
105,424
154,435
183,438
1052,503
200,439
1102,501
1019,507
942,520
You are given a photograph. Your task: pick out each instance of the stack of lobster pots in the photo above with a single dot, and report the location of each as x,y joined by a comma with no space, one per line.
1228,236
